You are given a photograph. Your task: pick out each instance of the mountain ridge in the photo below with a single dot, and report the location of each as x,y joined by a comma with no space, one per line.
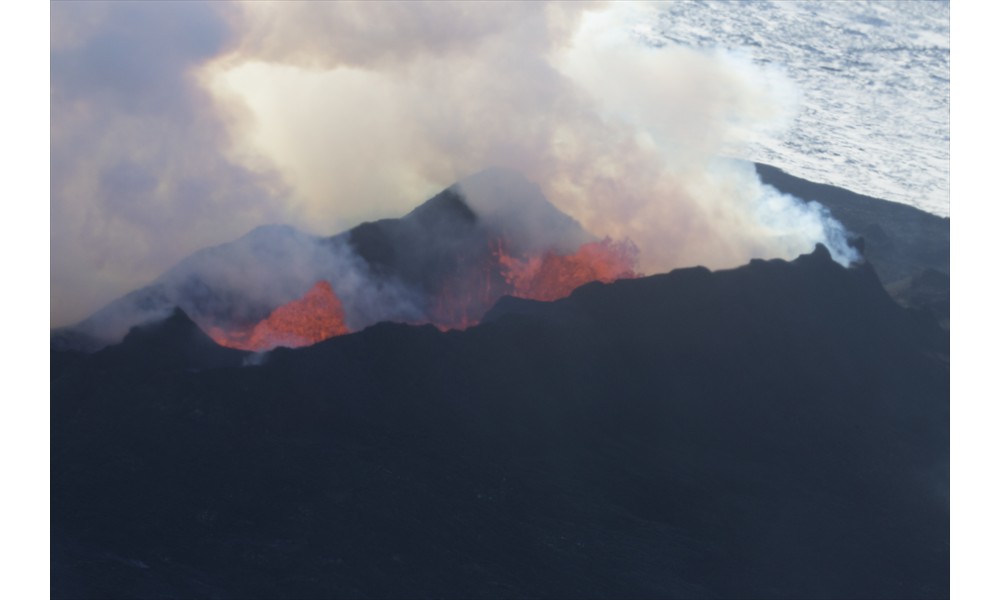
283,263
779,429
237,284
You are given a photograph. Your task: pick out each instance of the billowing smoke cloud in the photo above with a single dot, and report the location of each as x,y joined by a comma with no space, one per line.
367,109
627,139
140,176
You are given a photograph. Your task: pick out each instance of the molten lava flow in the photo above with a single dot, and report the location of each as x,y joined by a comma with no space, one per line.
460,299
552,276
313,318
463,299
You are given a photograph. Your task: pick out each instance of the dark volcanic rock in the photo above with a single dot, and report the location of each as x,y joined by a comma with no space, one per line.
175,342
901,241
929,290
438,245
444,249
778,430
409,259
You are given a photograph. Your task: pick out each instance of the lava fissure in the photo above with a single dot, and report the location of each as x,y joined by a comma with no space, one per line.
317,316
459,301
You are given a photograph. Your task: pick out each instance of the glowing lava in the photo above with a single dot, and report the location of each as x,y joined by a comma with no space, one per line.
315,317
459,301
552,276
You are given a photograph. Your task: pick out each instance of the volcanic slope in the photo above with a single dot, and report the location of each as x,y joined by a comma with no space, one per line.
908,248
778,430
435,264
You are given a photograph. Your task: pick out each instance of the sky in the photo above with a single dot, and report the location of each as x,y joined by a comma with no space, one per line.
178,126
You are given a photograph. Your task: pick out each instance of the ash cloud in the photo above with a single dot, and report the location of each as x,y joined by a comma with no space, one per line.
178,126
140,175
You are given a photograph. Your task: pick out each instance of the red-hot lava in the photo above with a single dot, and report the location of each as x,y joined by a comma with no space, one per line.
464,298
461,300
315,317
553,276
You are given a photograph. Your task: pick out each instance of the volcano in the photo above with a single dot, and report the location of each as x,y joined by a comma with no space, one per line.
451,407
909,249
445,263
449,260
777,430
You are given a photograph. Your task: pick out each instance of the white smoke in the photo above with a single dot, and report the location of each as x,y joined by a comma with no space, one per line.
176,126
627,139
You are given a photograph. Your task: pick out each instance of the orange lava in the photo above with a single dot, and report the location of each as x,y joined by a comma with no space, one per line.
461,300
552,276
315,317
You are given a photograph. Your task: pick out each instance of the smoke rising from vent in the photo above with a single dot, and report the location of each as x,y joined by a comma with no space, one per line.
177,126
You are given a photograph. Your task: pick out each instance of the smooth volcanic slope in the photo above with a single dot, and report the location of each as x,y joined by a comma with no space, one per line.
778,430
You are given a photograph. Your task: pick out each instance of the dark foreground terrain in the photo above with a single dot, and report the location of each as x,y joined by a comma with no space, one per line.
909,249
778,430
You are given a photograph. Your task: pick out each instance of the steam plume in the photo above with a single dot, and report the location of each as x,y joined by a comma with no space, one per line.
176,126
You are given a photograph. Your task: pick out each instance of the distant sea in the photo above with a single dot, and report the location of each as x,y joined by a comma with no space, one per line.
875,84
